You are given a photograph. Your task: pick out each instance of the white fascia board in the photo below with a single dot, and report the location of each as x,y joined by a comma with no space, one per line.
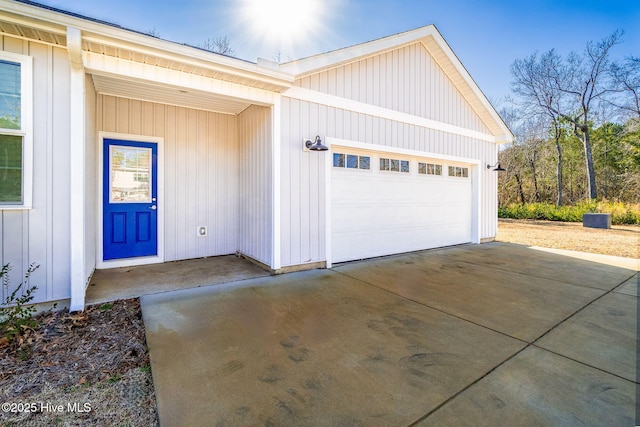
312,64
306,66
385,113
397,150
462,71
192,56
125,39
109,66
27,20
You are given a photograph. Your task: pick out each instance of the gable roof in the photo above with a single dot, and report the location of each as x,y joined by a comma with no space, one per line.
435,44
26,18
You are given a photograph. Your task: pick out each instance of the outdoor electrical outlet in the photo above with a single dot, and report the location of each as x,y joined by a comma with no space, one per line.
202,231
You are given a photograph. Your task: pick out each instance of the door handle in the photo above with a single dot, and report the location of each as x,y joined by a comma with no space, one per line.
154,207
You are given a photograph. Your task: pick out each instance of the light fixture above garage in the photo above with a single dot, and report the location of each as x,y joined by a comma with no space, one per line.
497,167
314,145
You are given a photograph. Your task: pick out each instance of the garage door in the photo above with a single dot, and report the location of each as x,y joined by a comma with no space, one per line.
385,204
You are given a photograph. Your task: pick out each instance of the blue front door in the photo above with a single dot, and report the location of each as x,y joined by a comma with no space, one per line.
130,195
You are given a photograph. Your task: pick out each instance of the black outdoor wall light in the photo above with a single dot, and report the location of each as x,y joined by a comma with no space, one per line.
315,145
497,167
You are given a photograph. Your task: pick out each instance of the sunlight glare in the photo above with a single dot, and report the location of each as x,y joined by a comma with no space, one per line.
283,22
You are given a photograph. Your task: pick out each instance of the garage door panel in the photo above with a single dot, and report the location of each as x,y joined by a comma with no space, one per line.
377,213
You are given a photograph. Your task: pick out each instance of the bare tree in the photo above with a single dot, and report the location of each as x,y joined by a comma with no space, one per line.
569,88
218,45
539,97
627,79
153,32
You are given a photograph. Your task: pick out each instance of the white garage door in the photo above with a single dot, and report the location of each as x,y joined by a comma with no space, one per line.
384,204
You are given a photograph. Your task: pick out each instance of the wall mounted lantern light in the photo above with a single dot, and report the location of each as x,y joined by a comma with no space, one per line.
496,167
314,145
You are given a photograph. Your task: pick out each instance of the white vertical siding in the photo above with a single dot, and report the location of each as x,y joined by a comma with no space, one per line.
256,198
201,181
302,182
41,234
303,176
91,178
407,79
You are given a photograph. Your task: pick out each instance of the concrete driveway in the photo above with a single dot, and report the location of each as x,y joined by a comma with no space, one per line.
493,334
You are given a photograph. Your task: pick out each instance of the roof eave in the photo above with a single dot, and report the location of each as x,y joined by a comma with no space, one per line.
99,32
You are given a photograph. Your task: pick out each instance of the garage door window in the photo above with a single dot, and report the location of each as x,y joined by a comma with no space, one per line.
394,165
429,169
458,171
351,161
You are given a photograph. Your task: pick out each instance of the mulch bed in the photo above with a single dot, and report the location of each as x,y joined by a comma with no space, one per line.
92,364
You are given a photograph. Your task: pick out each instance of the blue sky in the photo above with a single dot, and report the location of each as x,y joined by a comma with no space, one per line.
486,35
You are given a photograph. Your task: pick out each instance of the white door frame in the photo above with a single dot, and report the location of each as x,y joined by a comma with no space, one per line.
475,176
127,262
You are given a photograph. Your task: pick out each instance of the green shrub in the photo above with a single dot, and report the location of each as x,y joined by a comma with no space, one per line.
16,315
620,213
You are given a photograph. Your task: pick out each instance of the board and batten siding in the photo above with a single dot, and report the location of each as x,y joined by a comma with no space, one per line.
41,235
407,79
91,179
303,219
201,179
256,198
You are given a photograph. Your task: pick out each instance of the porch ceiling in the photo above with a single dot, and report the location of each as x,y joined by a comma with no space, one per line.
167,94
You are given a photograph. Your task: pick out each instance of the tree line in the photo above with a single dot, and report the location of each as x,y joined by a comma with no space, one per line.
576,122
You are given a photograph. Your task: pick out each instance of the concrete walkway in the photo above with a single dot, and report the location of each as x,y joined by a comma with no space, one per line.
494,334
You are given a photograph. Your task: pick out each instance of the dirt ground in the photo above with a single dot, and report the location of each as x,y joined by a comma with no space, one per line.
620,240
80,369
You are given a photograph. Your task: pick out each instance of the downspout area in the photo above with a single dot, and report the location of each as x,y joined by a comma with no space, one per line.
77,169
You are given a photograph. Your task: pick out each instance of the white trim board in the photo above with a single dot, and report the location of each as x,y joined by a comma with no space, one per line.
385,113
276,180
395,150
26,128
128,262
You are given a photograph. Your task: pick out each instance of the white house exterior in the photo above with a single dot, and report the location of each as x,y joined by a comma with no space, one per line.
191,154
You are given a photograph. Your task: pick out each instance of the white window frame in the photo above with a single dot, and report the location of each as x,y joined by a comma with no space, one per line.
463,170
346,157
399,160
26,128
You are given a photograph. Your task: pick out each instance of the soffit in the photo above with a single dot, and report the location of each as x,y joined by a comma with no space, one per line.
165,94
14,25
184,62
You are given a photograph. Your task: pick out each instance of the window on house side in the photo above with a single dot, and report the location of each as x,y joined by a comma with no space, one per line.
15,123
11,169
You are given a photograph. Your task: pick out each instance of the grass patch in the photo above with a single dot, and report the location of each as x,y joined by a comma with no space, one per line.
105,307
620,213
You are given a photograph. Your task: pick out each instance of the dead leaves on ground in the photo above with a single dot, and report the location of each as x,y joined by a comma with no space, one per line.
70,349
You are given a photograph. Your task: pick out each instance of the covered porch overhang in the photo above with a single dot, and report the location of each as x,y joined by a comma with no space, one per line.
170,81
